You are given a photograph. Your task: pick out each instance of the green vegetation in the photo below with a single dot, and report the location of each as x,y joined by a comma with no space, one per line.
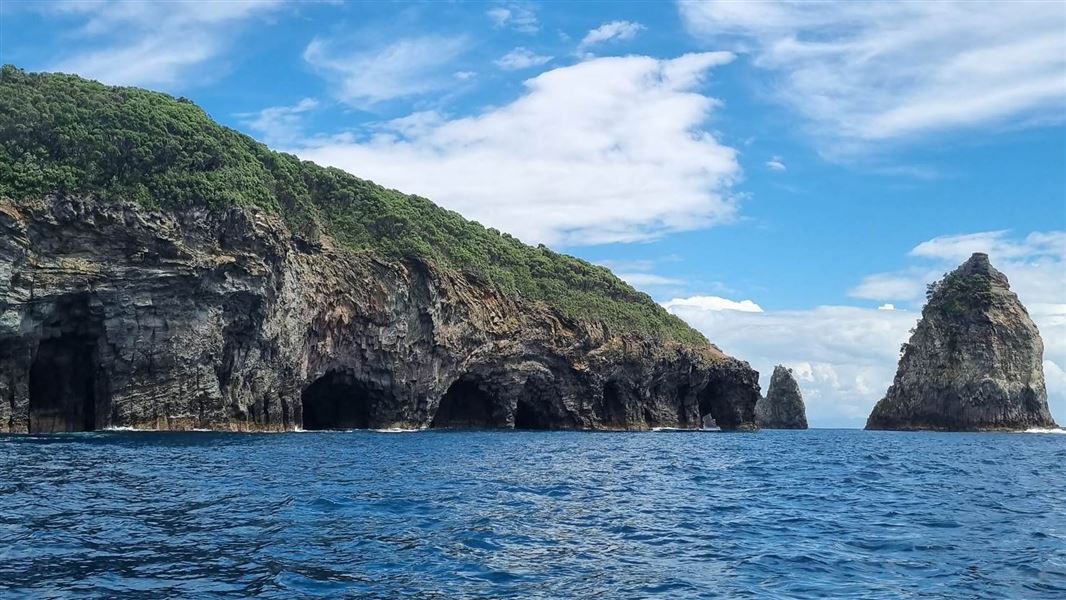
957,293
65,134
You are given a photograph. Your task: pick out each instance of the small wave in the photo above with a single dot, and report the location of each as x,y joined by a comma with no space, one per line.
396,430
1045,430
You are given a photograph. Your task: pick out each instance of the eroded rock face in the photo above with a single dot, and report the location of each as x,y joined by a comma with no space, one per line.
973,362
783,407
223,320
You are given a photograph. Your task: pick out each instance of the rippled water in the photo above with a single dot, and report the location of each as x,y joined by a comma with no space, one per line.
533,515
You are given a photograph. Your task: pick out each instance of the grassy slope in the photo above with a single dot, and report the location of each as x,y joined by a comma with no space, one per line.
62,133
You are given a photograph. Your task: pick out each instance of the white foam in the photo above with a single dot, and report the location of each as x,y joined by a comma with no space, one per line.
1045,430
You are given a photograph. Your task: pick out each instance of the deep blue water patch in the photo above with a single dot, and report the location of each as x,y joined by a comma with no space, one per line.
777,514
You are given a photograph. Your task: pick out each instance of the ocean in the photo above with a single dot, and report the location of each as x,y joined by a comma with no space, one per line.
503,514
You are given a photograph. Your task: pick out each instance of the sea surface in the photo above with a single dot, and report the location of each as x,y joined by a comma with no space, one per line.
774,514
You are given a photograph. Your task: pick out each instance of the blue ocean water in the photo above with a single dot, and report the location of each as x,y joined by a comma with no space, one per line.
775,514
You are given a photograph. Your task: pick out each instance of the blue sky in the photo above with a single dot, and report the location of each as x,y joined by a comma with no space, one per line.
778,174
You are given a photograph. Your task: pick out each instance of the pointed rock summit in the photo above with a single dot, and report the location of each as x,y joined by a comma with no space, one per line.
973,362
782,408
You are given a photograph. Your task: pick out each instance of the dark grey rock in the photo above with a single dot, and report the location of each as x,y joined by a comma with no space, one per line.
783,407
974,362
112,315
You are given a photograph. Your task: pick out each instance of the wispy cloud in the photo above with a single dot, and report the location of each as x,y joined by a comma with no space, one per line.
865,72
514,16
151,43
619,31
364,77
607,150
279,125
776,163
521,58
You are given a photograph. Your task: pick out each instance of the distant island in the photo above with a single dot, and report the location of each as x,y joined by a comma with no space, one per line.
160,271
974,362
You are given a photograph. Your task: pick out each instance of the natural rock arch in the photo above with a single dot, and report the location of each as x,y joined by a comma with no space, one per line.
67,387
337,400
466,405
714,402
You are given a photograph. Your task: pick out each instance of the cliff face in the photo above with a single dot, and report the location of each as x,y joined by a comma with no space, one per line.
112,315
782,408
973,362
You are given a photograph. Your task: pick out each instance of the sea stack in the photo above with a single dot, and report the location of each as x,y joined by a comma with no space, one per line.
973,362
782,408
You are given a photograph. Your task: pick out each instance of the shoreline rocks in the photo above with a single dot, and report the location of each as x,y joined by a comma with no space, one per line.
973,363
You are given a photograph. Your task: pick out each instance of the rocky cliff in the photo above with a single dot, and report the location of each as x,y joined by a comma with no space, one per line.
782,408
973,362
115,315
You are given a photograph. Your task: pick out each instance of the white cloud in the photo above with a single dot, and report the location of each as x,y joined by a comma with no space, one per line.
848,355
607,150
407,67
516,17
521,58
639,280
776,164
863,72
711,303
614,31
464,75
892,286
279,124
150,43
843,357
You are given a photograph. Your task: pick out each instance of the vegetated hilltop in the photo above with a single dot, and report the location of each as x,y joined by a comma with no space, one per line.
63,134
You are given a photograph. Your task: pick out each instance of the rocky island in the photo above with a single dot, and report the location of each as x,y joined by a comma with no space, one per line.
782,408
160,271
973,363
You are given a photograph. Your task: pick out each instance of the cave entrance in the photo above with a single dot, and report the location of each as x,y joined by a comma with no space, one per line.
614,407
465,406
713,406
66,386
336,401
528,416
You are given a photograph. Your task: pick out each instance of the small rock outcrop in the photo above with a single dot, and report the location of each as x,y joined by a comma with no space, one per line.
973,362
782,408
115,315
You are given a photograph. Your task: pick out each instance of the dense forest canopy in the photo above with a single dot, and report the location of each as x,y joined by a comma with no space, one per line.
64,134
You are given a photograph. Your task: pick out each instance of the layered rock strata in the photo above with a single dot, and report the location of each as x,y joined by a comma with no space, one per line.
112,315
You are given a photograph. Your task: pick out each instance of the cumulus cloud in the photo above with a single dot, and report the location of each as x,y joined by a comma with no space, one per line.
613,31
279,124
514,16
607,150
711,303
865,72
364,77
521,58
845,357
150,43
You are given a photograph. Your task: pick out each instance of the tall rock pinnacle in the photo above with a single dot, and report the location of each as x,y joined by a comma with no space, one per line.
782,408
973,362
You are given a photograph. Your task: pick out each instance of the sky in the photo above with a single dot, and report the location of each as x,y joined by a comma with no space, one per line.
786,177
